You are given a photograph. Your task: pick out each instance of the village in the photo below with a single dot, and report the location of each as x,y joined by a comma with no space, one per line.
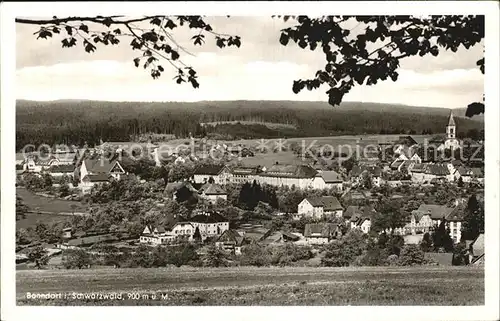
329,199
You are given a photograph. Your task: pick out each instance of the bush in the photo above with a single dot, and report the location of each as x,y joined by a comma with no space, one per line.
412,255
39,256
214,257
392,260
183,255
255,255
343,252
76,259
289,253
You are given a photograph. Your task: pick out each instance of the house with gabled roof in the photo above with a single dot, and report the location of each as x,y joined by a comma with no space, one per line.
244,174
328,180
220,174
359,217
321,233
212,193
61,170
91,180
319,207
209,224
231,241
156,236
101,166
436,212
300,176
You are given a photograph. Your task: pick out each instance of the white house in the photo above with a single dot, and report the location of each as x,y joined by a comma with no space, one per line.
328,180
101,166
212,193
91,180
243,174
300,176
321,233
318,207
156,236
220,174
183,230
209,224
359,217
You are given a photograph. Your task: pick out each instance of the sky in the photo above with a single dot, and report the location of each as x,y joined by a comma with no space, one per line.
261,69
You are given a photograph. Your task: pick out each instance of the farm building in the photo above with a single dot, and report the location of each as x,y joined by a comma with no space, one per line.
321,233
212,193
156,236
219,173
101,166
231,241
328,180
91,180
319,207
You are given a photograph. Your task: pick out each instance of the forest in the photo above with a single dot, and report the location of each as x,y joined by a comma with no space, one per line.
79,122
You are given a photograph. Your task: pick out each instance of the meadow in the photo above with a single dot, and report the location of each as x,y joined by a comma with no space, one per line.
257,286
44,204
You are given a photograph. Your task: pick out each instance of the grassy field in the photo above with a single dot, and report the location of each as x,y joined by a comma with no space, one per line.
257,286
32,219
44,204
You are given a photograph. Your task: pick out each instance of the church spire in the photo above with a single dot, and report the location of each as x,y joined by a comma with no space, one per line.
451,121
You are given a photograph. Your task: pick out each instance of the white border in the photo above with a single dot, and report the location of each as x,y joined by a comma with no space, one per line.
40,9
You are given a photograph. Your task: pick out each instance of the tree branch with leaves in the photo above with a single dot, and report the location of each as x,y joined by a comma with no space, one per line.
354,56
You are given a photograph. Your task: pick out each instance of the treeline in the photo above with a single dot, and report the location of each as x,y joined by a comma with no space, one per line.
77,122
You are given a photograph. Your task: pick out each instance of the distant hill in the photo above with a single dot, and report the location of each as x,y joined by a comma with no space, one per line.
79,121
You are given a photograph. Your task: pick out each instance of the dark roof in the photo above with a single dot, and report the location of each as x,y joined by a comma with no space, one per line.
419,168
62,169
295,171
464,171
437,169
175,186
231,236
210,218
477,172
456,215
244,170
357,170
329,203
209,169
436,212
330,176
100,165
212,189
101,177
361,213
321,230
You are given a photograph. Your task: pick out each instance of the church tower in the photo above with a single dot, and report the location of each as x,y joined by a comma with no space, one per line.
451,128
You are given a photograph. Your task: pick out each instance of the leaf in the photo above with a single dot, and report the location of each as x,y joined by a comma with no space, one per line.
237,42
69,30
84,28
170,24
194,83
302,43
89,47
474,109
160,68
156,21
284,39
117,31
220,42
191,72
174,55
55,30
136,62
44,34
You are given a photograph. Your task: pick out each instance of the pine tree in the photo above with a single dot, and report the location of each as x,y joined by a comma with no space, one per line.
441,237
473,223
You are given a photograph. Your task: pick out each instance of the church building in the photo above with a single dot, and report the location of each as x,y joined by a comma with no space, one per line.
451,142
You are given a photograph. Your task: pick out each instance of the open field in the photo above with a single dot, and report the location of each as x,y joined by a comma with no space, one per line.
45,204
32,219
257,286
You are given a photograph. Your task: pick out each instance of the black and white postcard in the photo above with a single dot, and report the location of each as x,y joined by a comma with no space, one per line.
231,159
